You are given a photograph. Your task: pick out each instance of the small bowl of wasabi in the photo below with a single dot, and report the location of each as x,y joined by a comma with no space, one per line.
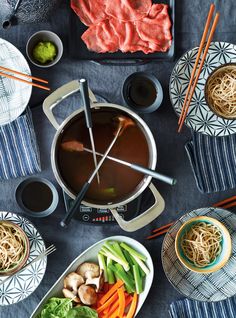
44,48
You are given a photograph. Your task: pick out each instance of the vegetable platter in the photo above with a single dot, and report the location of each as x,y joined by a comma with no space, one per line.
131,276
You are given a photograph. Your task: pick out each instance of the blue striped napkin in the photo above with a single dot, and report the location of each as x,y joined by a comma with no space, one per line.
194,309
213,161
19,155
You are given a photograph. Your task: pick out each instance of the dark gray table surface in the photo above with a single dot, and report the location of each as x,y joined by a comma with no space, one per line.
172,159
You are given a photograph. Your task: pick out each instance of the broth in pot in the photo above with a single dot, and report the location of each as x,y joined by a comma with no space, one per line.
116,181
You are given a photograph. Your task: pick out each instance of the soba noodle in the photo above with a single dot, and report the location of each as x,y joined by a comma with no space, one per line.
202,244
221,92
12,246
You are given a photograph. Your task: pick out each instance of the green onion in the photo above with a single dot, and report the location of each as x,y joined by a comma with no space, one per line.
108,250
121,274
102,265
110,274
133,252
133,261
137,279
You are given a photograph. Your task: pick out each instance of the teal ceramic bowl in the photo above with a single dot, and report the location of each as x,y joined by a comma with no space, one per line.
220,260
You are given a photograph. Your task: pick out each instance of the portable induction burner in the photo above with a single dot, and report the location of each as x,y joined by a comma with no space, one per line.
129,211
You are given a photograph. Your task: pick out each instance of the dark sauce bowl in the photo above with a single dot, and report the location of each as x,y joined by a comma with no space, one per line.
37,197
142,92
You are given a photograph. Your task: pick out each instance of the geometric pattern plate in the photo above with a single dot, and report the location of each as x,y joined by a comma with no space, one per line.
14,95
201,287
23,284
200,118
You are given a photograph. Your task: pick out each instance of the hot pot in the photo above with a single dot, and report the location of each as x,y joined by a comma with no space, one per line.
146,217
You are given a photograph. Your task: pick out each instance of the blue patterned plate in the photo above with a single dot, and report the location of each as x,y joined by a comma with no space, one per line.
201,287
200,118
23,284
14,95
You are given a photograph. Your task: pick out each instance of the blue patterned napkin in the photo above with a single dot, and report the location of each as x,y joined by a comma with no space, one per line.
19,155
194,309
213,161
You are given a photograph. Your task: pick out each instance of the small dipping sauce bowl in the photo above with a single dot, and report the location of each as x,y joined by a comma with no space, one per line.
221,259
44,36
37,197
142,92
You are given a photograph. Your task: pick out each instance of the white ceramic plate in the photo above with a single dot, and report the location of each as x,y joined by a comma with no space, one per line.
21,285
201,287
91,255
14,95
200,117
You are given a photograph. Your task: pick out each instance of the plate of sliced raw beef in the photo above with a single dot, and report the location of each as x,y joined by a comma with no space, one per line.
122,29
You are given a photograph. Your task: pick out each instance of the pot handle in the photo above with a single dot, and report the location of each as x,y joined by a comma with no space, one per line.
58,95
146,217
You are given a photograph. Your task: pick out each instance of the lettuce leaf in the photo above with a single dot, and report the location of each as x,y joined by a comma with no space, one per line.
56,308
82,312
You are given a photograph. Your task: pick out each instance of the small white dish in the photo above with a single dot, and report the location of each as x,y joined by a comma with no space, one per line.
91,255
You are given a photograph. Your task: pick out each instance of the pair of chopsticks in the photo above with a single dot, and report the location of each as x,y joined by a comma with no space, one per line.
194,78
225,204
5,69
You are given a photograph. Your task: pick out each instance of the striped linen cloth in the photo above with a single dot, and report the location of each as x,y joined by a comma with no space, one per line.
213,161
194,309
19,155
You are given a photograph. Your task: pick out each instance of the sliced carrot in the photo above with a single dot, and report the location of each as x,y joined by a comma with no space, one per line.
113,289
107,303
133,306
115,305
115,314
121,296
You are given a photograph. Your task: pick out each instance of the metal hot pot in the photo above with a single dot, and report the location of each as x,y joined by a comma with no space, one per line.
146,217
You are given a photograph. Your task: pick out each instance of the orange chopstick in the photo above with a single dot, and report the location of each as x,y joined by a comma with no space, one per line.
204,35
163,227
158,234
24,81
22,74
223,202
216,19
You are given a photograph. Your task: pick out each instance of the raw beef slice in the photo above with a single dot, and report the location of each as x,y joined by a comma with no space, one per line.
100,38
155,28
129,40
89,11
128,10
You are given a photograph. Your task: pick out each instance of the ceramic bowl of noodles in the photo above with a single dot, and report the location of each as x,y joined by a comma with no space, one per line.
220,91
14,248
203,245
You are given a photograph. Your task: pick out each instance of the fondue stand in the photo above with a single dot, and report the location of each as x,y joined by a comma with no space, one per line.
142,219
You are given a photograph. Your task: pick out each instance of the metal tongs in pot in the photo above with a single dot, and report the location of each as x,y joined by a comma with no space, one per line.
78,146
123,123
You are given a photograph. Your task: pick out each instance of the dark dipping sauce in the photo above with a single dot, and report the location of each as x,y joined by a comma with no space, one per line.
142,92
117,181
37,196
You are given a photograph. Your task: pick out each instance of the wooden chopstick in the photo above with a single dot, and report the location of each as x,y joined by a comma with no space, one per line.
157,234
213,28
24,81
225,204
212,31
22,74
163,227
204,35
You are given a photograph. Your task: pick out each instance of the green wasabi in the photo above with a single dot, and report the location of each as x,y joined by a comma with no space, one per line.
44,52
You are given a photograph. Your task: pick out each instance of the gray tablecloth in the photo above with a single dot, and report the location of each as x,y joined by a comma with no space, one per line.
172,159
